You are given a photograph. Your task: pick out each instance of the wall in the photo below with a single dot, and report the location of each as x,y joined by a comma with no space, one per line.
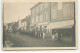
62,11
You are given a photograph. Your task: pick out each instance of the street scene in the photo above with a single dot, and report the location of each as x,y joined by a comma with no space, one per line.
23,40
39,24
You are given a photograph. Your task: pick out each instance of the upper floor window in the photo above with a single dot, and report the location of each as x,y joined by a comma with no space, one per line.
54,11
41,6
41,17
72,9
46,5
36,18
25,24
66,10
32,21
59,5
33,11
46,16
37,9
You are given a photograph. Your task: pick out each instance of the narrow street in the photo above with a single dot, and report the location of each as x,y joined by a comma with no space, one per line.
23,40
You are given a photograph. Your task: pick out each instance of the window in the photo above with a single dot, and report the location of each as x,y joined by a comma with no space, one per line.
42,28
37,9
38,28
59,5
41,7
46,16
36,18
32,20
25,24
72,9
46,5
66,10
33,11
41,17
54,11
22,26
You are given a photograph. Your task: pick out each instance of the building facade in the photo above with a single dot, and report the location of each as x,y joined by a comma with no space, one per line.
50,18
24,24
40,16
63,22
12,27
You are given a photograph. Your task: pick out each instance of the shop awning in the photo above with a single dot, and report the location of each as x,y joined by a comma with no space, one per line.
60,24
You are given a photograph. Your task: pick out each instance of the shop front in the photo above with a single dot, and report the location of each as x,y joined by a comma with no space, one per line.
40,30
61,30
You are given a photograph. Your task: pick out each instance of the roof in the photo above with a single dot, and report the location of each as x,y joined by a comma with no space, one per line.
26,18
36,5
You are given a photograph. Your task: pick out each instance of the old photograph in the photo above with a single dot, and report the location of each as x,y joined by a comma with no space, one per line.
39,24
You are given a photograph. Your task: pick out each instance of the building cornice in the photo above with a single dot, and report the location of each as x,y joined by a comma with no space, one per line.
36,5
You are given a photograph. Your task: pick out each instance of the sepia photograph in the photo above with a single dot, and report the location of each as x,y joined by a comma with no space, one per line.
39,25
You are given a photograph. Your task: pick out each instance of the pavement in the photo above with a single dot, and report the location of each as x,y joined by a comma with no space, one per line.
23,40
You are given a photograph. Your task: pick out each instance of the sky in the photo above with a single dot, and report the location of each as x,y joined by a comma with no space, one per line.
17,11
